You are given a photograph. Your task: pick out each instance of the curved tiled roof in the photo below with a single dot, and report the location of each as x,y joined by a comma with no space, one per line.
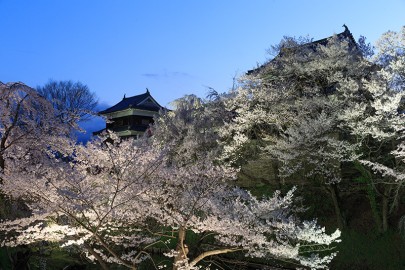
135,102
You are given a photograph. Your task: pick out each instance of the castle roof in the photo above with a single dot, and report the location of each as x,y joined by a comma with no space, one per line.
311,46
143,101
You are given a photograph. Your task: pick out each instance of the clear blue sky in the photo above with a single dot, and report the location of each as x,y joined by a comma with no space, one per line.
171,47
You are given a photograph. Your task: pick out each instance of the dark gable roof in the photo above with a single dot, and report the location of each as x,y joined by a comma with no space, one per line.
345,35
135,102
312,46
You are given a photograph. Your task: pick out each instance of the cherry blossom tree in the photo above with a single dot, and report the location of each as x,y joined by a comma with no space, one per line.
191,129
27,125
316,107
289,111
28,129
378,122
105,197
92,199
197,125
263,228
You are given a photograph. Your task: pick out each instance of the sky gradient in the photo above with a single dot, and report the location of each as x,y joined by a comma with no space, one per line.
171,47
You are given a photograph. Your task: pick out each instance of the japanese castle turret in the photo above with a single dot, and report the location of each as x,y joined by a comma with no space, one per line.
132,116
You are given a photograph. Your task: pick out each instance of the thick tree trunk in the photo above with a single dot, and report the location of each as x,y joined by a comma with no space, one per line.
181,249
336,204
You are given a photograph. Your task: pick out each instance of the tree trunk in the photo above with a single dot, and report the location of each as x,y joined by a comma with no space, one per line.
336,204
100,261
2,149
3,201
366,179
374,208
181,249
2,166
276,170
385,207
2,162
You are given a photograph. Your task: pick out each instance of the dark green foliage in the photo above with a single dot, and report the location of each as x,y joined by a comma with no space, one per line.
370,250
56,258
5,262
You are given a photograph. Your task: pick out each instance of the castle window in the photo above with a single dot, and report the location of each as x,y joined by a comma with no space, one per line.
145,121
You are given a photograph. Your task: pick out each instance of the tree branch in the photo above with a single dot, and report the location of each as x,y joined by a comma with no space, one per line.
213,252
